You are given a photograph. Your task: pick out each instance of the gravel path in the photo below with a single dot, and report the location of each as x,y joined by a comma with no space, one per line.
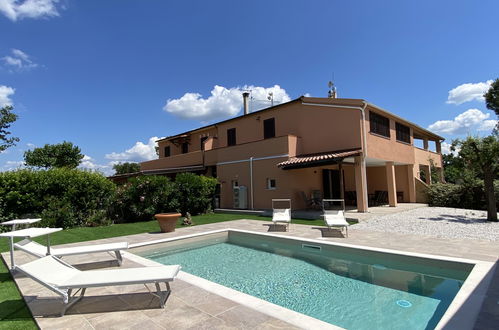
436,221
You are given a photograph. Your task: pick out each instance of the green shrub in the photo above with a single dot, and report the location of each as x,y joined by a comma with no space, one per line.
469,195
144,196
62,197
194,193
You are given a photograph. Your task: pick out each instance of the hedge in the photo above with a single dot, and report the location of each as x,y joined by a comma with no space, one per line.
61,197
466,196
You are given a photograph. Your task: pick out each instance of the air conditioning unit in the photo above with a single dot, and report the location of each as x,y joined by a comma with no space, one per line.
241,197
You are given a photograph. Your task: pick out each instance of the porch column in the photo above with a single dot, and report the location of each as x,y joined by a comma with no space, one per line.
392,186
342,189
425,144
360,184
427,172
438,147
411,183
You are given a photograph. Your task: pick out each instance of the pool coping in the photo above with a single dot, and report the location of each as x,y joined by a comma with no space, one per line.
471,294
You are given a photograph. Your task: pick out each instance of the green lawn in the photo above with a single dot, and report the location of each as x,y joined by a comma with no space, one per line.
14,313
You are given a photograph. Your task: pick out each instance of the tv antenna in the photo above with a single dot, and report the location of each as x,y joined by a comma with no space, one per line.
270,97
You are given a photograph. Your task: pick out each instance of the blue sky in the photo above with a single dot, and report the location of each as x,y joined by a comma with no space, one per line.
110,76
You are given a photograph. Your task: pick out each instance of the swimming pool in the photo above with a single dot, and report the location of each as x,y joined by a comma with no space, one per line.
350,288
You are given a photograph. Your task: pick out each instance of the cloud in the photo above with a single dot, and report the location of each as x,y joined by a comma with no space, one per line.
12,165
90,164
223,102
138,153
18,60
5,93
468,92
464,123
18,9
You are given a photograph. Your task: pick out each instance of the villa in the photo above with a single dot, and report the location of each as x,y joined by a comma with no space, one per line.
328,147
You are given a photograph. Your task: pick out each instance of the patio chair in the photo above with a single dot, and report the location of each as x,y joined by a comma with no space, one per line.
309,202
281,215
62,278
39,250
335,218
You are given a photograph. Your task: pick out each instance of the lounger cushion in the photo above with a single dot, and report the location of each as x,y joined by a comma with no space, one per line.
335,218
40,250
281,215
55,272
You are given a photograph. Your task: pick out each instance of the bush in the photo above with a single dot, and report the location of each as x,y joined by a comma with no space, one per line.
469,195
194,193
61,197
142,197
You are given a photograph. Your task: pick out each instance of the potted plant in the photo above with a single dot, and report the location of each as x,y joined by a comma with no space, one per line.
167,221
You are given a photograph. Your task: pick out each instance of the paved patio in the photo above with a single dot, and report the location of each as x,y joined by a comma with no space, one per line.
190,307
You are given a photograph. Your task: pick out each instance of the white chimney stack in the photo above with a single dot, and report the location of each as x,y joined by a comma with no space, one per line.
246,102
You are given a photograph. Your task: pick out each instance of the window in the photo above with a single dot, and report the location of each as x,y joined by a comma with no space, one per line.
403,133
379,124
185,147
204,138
231,137
167,151
269,128
271,184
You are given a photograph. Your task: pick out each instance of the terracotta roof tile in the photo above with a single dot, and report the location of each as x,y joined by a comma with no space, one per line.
318,158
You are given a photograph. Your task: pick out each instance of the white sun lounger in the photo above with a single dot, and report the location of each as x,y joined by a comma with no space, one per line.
39,250
281,215
63,278
336,219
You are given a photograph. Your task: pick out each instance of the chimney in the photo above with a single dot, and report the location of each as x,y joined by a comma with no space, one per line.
245,102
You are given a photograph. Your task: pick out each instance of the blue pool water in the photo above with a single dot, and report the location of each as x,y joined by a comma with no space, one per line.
347,294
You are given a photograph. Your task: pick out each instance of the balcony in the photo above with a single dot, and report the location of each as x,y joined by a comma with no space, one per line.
182,160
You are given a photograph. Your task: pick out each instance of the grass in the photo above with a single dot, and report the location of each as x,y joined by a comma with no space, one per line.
14,313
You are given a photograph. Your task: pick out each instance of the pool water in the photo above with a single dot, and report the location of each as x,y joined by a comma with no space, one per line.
345,293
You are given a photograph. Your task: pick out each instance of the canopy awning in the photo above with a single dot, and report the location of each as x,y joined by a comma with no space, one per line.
325,158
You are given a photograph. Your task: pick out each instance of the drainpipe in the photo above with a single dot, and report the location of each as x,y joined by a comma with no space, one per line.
363,141
251,182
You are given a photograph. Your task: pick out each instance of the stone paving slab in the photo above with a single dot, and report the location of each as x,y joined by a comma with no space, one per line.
190,307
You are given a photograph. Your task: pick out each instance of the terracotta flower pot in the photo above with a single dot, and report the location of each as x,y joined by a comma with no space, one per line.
167,221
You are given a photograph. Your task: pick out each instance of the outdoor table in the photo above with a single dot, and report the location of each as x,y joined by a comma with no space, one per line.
15,222
28,233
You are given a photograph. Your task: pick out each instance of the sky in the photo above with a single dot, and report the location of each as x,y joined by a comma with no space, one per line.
113,76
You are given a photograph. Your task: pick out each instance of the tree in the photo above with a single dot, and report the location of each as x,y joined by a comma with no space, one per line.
6,119
492,97
482,154
54,156
123,168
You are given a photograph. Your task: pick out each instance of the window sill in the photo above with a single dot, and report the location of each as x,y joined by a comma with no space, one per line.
379,135
403,142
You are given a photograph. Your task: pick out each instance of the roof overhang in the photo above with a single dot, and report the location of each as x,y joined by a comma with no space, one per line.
325,158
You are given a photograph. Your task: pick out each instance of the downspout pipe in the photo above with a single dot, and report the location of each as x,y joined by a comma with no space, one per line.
363,141
251,183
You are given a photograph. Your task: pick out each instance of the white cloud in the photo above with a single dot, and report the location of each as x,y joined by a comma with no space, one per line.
223,102
18,60
12,165
138,153
18,9
446,149
90,164
468,92
5,93
464,123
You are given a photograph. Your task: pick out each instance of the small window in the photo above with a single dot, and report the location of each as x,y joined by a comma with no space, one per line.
271,184
167,151
231,137
379,124
269,128
403,133
204,138
185,147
